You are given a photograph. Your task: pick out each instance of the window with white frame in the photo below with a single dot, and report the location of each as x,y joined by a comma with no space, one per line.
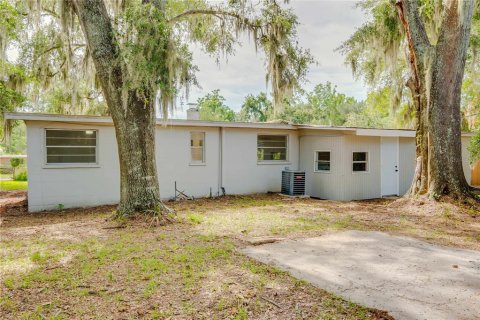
197,146
271,147
71,146
360,162
322,161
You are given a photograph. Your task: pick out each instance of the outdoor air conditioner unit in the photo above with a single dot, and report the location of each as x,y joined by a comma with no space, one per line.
293,183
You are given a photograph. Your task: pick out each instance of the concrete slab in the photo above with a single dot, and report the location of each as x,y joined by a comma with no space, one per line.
410,279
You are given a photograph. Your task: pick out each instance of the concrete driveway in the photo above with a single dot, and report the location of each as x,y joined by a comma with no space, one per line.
408,278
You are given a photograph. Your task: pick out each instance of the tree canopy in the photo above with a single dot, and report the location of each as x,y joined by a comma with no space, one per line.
212,107
376,53
154,38
256,108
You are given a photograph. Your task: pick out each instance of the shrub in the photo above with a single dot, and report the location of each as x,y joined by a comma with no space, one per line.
20,175
15,163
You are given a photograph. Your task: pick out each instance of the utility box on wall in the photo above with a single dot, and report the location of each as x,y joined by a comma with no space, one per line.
293,183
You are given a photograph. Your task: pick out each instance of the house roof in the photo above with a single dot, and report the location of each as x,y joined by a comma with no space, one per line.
27,116
100,120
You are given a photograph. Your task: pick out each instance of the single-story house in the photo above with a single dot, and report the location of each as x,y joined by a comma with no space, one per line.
73,160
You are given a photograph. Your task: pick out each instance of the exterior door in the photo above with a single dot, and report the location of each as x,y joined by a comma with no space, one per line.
389,166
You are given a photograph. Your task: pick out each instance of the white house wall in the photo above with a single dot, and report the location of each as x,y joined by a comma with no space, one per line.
362,185
242,173
51,186
173,162
406,163
55,187
324,185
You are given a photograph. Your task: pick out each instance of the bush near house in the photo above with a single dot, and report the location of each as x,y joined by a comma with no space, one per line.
20,174
15,163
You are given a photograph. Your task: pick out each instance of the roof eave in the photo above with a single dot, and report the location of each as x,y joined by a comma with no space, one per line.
160,122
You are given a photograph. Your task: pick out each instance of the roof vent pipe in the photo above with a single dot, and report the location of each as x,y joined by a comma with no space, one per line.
192,112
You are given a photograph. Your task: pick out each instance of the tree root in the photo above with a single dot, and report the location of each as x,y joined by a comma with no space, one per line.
469,198
159,216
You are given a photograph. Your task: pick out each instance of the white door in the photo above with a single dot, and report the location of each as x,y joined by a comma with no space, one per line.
389,165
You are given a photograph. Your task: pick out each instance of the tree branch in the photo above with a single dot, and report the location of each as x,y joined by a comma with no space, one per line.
413,25
50,12
217,13
416,36
50,49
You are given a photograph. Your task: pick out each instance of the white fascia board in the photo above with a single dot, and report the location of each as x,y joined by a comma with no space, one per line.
385,133
326,128
395,133
55,118
160,122
199,123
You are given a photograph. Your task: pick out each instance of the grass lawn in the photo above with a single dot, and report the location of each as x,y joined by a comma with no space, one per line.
8,185
74,264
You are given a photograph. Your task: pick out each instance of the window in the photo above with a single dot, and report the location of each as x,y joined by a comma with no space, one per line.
197,146
271,148
360,162
71,146
322,161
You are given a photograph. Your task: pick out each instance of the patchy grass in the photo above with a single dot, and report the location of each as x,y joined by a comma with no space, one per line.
65,264
8,185
70,266
243,217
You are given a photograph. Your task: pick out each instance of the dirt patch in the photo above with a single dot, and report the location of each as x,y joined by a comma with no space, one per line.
248,217
70,264
12,199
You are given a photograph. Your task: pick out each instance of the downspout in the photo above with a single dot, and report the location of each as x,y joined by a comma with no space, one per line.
220,160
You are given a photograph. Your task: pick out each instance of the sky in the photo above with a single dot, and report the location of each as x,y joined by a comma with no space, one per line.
324,25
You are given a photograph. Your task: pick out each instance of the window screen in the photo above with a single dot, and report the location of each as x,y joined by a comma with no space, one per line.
197,146
360,161
271,148
322,161
71,146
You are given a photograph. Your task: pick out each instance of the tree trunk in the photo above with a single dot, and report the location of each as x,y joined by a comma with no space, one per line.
447,176
437,74
133,117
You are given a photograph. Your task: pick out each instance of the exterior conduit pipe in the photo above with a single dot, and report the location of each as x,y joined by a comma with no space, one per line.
220,161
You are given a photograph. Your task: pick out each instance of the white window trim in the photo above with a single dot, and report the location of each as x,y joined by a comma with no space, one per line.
367,162
315,161
287,151
47,165
204,161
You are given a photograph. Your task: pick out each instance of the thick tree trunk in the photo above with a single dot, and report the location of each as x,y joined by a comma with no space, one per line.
437,74
447,176
134,118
